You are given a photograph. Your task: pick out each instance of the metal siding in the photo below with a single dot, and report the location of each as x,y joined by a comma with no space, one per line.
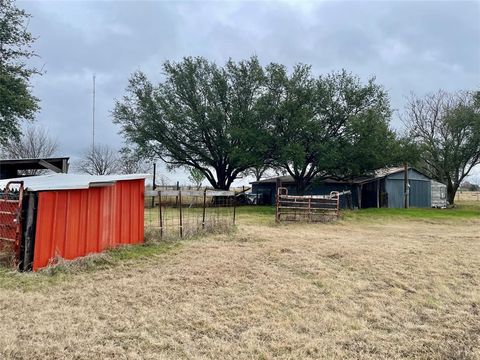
420,193
91,239
394,189
83,225
419,196
125,225
412,175
73,223
44,230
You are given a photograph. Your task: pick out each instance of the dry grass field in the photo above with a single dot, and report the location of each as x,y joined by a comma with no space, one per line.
468,196
376,285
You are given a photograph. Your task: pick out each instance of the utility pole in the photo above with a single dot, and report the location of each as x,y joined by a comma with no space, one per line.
93,116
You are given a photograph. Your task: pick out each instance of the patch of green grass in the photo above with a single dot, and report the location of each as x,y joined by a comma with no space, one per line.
458,212
464,210
10,279
261,210
142,251
52,275
256,215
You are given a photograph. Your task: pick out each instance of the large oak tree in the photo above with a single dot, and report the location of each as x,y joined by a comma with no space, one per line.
200,116
331,126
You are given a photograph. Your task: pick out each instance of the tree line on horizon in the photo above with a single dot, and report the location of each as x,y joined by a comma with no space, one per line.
222,122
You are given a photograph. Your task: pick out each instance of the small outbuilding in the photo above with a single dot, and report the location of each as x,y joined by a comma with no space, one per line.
68,216
384,188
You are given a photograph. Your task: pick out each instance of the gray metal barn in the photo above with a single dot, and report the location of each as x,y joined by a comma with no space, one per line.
385,188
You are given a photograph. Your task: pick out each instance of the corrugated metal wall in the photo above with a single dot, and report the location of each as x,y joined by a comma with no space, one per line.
420,193
394,189
73,223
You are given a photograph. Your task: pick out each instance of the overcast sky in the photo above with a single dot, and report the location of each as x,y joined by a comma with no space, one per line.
409,46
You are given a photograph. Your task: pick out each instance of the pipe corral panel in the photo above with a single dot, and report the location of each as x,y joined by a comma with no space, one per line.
74,223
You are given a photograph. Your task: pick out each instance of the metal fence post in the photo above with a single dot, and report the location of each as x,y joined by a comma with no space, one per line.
160,215
310,209
204,207
234,206
180,212
277,206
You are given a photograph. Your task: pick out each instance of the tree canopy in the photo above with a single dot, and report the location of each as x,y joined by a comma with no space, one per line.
16,100
446,127
201,116
230,120
331,126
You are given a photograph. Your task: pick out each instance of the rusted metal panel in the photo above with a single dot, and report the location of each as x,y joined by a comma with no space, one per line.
11,222
74,223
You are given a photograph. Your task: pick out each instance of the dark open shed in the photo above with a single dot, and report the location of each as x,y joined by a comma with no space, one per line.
385,188
12,168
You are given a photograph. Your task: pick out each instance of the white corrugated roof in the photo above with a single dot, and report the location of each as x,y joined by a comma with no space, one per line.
69,181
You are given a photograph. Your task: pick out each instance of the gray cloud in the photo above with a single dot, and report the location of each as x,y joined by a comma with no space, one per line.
408,46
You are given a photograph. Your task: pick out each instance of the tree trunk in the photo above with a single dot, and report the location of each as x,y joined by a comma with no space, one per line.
300,185
451,192
221,179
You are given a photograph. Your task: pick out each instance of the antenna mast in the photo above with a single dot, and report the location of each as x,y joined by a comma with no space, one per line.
93,116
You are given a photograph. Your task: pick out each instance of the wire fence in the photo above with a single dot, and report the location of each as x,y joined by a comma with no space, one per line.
464,195
172,213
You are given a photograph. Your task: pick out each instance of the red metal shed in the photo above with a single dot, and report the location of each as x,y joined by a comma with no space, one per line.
68,216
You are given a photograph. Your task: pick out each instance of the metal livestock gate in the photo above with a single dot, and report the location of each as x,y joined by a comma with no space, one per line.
10,223
311,208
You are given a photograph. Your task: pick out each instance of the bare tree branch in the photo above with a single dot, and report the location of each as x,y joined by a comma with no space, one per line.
447,127
102,160
34,143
